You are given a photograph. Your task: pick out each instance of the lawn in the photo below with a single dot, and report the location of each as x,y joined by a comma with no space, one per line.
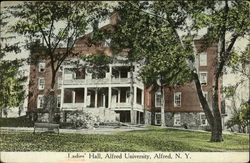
155,139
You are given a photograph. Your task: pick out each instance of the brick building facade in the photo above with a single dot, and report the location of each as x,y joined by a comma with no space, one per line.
108,97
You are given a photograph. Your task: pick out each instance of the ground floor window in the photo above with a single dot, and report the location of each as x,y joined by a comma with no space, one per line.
177,119
58,101
203,119
157,118
40,101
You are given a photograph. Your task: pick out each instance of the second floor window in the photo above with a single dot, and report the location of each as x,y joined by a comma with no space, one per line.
41,67
177,99
203,77
40,101
41,83
203,59
158,98
59,82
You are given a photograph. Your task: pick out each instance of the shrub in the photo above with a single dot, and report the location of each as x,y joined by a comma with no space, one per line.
81,119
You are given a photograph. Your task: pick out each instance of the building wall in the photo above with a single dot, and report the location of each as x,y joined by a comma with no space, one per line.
189,98
33,83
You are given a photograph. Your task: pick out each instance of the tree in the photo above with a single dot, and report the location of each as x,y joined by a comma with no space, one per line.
163,66
12,91
238,105
240,118
59,25
222,19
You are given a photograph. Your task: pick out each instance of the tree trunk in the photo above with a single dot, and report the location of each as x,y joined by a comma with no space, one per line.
216,135
214,119
216,132
132,117
52,98
162,107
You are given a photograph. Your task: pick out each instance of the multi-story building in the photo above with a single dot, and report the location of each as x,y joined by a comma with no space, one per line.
108,95
182,105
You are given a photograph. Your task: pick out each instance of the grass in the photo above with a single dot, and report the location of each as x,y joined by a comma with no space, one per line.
16,122
155,139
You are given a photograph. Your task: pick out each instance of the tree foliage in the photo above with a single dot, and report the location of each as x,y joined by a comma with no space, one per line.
58,24
240,118
97,64
12,91
164,49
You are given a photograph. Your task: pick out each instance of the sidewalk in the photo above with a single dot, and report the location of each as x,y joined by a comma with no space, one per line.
103,130
99,130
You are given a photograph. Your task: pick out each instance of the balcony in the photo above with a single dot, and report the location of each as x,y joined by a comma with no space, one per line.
96,81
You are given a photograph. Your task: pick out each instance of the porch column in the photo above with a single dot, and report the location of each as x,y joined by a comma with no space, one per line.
119,96
74,97
135,95
62,97
95,98
139,117
85,96
142,98
110,73
109,97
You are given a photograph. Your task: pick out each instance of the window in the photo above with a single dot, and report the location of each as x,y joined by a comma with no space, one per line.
203,59
41,67
203,77
68,74
41,83
177,119
138,96
158,98
59,82
157,118
40,101
68,95
107,43
177,99
58,101
203,119
79,95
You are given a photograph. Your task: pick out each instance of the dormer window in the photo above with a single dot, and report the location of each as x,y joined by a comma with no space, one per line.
41,67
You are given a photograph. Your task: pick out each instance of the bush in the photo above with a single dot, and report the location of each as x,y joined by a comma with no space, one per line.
22,121
81,119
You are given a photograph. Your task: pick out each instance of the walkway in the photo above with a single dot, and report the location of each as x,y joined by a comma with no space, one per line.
99,130
103,130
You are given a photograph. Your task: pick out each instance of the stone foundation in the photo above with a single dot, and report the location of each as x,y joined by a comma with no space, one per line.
190,120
